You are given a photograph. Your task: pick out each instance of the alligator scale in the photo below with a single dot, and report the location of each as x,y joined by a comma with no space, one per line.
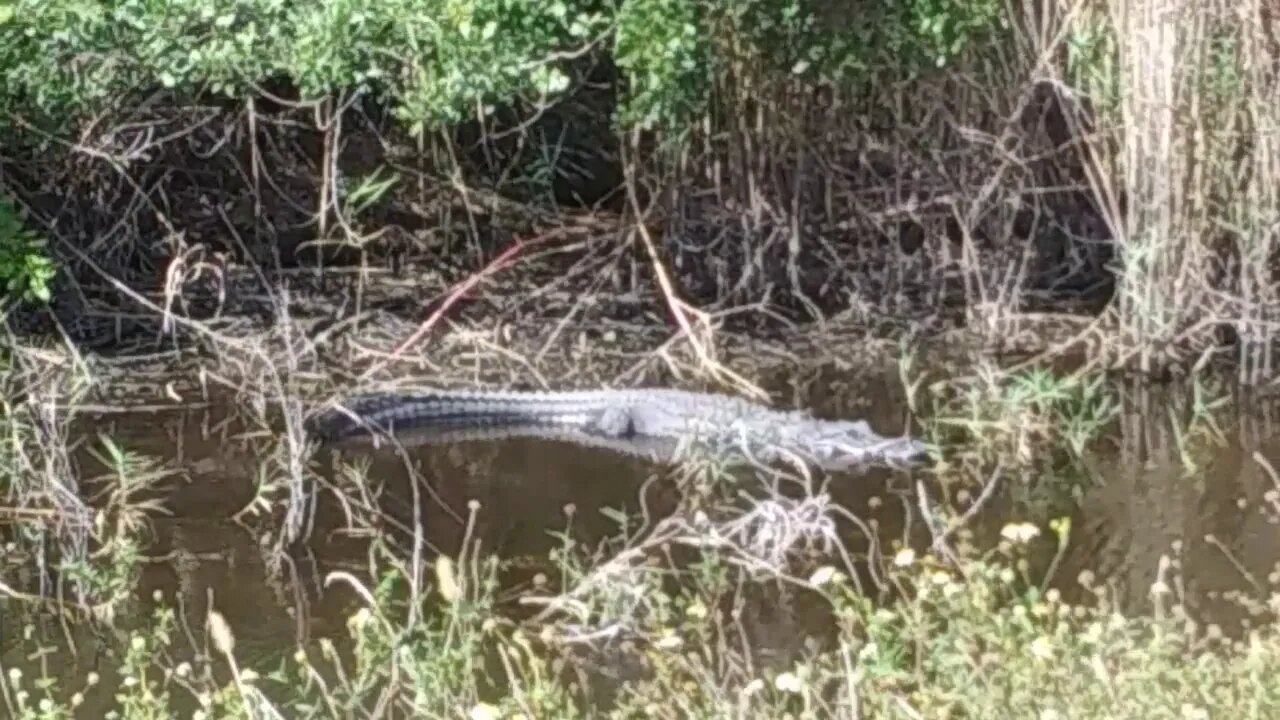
654,424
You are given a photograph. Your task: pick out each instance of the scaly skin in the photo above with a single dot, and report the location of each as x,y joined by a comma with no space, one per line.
621,418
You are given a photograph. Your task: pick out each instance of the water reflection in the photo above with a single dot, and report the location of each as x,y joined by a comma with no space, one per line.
1216,523
1189,503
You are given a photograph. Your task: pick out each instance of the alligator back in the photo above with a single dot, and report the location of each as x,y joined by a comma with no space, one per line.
614,417
657,412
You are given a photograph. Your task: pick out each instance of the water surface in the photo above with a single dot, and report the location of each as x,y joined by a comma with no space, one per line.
1139,503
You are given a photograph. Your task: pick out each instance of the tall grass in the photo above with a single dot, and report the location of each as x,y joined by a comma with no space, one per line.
1260,201
761,609
1184,163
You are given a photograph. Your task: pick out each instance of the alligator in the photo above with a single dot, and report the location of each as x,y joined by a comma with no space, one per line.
653,423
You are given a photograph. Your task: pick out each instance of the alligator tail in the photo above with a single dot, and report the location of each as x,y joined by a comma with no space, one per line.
447,412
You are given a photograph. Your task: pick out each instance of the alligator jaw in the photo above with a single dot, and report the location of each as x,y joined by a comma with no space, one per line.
838,446
894,452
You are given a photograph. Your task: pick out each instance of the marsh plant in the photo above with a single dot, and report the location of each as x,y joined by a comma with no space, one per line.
983,637
1023,418
901,166
82,533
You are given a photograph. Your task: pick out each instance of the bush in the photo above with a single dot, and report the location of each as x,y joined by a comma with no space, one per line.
25,268
439,60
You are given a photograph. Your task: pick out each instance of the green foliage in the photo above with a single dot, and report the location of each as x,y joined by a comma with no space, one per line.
855,44
662,48
1013,417
25,268
938,31
440,61
476,54
370,190
672,49
990,642
1092,61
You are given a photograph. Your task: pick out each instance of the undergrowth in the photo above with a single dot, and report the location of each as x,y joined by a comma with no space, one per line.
760,610
978,639
781,157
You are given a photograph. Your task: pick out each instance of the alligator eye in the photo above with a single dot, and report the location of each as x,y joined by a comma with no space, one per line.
616,422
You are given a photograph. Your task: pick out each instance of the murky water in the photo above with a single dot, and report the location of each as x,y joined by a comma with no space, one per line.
1221,522
1212,516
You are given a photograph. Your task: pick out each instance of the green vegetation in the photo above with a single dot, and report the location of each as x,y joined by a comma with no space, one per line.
26,269
971,626
984,636
263,204
436,61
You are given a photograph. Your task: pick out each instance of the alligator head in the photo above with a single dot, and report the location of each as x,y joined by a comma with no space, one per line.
845,445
